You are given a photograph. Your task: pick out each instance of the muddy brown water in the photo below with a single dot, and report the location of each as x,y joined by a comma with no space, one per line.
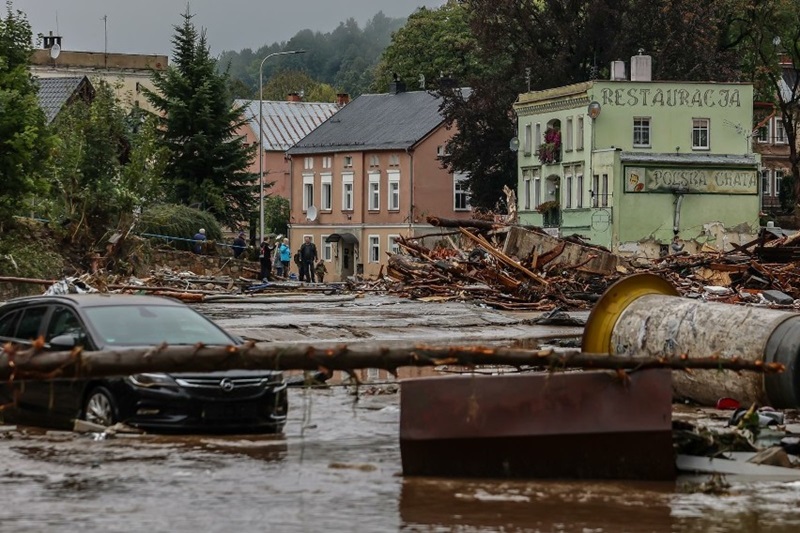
336,468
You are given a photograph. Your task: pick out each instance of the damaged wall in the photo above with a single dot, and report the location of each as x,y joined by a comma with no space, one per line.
712,236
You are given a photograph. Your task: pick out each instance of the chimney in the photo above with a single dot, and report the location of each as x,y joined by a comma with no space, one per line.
447,82
342,99
641,67
294,97
618,71
397,86
49,40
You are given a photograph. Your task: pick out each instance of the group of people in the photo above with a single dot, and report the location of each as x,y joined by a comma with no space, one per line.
278,256
275,254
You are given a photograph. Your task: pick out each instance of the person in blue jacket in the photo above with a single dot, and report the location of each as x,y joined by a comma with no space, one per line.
286,255
199,239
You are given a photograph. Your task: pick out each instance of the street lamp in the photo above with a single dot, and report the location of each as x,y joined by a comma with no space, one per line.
261,135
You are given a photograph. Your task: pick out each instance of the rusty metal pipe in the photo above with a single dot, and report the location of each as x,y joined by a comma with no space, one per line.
642,316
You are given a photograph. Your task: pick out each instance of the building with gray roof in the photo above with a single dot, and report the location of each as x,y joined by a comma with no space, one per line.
56,92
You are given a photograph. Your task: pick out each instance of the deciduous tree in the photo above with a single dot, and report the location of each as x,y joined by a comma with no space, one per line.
24,139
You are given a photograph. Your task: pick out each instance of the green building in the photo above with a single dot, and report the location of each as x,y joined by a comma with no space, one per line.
639,166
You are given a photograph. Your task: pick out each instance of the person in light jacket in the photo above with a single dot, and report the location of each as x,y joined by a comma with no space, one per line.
286,256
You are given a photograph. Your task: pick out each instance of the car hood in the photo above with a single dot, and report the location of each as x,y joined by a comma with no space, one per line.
227,374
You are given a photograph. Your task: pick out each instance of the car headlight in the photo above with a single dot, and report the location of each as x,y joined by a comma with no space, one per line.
152,380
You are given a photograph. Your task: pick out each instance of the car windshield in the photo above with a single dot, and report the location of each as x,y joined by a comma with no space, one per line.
144,325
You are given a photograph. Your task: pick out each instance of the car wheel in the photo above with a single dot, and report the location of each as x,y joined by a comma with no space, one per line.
100,407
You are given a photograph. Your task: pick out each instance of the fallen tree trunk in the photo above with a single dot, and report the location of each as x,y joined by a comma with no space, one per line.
16,364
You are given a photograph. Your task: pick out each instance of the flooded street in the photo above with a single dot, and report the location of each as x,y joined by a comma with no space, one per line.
337,466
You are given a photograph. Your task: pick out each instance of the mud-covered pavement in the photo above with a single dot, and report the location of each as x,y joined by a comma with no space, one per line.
336,468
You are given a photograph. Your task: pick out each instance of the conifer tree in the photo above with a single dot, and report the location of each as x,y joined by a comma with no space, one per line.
207,162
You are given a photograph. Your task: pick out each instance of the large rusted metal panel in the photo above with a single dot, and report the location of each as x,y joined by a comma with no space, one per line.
574,425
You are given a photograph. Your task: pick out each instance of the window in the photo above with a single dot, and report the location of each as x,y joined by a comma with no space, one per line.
326,161
374,249
568,135
579,139
762,135
394,160
8,324
527,140
460,192
780,131
308,163
526,180
348,161
63,322
604,196
641,132
28,328
778,181
326,196
595,190
700,134
765,183
537,140
537,189
568,192
579,188
347,191
374,161
440,150
308,191
394,246
374,191
394,190
327,248
373,373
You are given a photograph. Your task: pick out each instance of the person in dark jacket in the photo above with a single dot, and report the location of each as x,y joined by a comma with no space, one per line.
199,238
239,245
308,258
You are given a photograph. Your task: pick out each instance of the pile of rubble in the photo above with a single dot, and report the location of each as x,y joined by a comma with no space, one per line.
524,268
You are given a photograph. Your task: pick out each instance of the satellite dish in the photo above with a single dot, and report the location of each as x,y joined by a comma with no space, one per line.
311,213
55,51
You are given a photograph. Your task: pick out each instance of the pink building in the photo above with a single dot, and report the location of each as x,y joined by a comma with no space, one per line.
283,124
370,174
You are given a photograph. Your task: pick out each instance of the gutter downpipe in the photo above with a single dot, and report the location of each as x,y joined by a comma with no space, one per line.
410,154
291,195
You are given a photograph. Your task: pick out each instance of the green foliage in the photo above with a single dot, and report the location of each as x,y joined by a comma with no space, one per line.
142,176
344,58
294,81
178,221
86,161
276,215
767,34
207,162
434,42
23,136
28,250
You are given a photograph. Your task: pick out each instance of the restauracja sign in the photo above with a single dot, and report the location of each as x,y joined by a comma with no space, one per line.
645,97
639,179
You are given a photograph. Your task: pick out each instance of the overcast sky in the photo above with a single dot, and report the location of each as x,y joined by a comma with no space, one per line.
145,26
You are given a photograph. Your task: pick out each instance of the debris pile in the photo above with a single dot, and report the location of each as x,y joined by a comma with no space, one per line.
524,268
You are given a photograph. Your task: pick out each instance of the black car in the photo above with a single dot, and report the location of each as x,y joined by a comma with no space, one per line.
231,400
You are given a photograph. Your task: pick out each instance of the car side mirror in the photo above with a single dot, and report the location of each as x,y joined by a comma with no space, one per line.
63,342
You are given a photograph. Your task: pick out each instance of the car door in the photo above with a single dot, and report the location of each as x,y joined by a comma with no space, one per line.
29,396
65,395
